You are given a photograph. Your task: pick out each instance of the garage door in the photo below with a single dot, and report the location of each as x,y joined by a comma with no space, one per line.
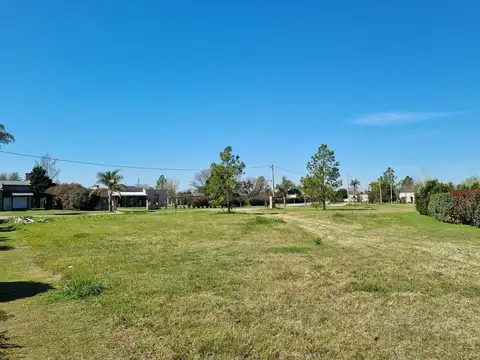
20,203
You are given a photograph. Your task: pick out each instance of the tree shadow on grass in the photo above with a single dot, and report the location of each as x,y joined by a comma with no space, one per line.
14,290
349,209
5,344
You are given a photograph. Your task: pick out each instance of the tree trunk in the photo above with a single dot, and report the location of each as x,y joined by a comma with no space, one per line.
109,200
228,201
324,204
284,201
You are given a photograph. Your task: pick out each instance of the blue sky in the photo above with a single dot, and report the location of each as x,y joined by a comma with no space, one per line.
171,83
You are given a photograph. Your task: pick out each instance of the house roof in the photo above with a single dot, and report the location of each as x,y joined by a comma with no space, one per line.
13,183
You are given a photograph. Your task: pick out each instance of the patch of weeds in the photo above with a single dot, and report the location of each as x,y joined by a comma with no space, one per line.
81,288
289,250
80,235
318,240
261,220
369,285
339,216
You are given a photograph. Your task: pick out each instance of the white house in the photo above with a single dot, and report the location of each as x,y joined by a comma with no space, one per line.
408,196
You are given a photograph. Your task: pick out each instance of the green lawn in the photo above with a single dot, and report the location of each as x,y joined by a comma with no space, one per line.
372,282
43,212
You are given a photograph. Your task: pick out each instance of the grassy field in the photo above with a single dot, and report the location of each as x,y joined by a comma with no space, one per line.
356,282
42,212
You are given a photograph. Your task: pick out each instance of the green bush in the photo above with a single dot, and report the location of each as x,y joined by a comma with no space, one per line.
318,240
429,188
82,199
440,207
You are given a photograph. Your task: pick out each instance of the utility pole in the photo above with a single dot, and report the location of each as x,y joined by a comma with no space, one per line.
348,190
273,185
380,187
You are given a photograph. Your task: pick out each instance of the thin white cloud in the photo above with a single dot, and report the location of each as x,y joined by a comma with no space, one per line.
397,118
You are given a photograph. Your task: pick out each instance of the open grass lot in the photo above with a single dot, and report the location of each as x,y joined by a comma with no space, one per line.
373,282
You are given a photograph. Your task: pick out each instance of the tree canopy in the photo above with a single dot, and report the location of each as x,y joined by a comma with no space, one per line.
323,175
285,188
5,137
161,181
224,177
50,166
39,179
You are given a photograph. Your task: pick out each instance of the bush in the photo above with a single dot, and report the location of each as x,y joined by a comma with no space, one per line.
62,193
440,207
431,187
466,206
318,240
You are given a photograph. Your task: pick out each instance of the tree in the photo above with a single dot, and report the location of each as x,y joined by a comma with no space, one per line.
407,185
224,177
111,179
14,176
200,180
341,194
472,182
253,187
284,189
389,176
379,191
162,180
50,165
354,183
429,188
171,188
39,180
5,137
323,175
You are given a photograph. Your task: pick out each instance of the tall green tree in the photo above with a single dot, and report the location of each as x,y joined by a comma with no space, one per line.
161,182
110,179
323,175
39,180
390,177
355,183
224,177
171,188
285,188
5,137
472,182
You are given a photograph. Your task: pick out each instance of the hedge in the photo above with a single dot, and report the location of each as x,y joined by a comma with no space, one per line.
466,206
440,207
431,187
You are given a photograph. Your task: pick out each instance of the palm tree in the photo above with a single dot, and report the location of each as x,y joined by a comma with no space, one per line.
354,184
284,188
5,137
111,179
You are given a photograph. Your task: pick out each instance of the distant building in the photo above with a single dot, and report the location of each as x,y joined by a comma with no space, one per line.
15,195
408,196
133,196
360,198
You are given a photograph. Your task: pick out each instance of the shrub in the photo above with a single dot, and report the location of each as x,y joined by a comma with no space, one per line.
431,187
79,200
318,240
62,193
466,206
440,207
81,288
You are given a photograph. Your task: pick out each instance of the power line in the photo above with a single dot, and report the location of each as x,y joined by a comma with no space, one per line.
288,170
118,166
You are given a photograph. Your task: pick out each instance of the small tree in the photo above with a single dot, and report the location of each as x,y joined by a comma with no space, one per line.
224,177
323,175
162,180
111,179
171,188
341,194
284,189
354,183
390,177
